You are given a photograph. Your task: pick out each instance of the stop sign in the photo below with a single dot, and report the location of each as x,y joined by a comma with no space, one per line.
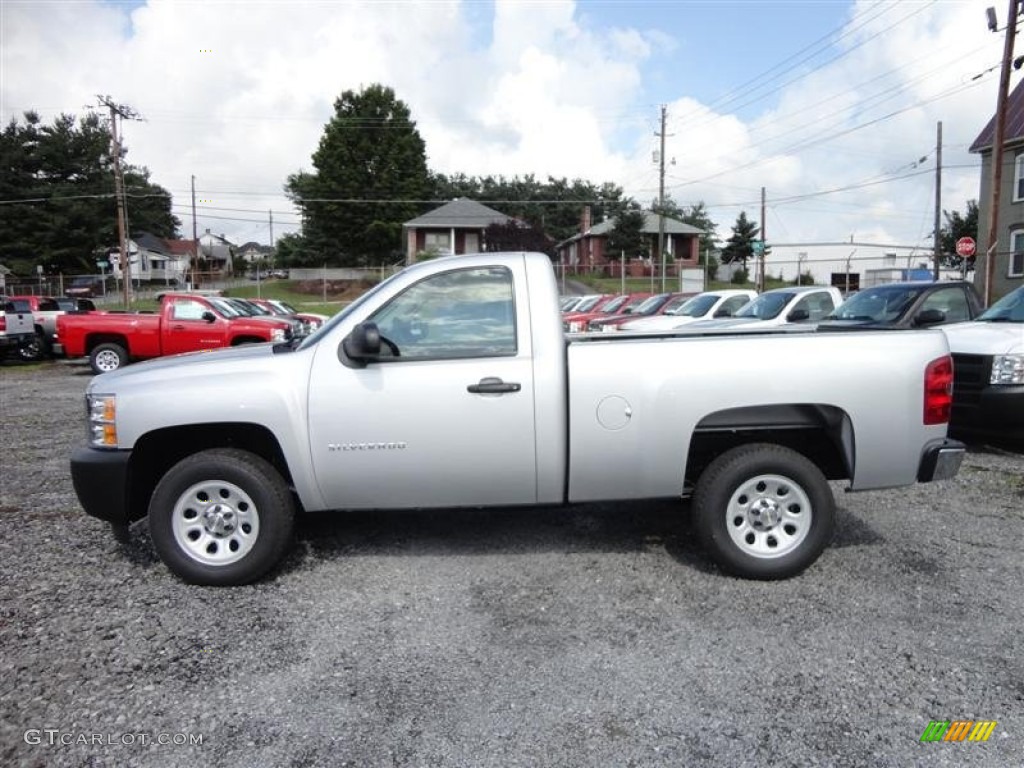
965,246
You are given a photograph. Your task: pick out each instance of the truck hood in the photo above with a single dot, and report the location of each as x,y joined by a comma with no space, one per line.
188,365
985,338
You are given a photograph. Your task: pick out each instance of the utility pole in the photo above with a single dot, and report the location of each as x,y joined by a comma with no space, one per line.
997,145
760,281
195,239
938,201
661,199
119,110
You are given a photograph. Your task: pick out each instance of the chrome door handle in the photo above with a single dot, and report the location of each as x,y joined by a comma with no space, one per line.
493,385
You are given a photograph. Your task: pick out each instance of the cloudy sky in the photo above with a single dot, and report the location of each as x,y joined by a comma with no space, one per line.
831,106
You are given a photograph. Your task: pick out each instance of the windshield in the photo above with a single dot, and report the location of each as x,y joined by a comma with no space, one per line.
614,304
587,304
1009,309
884,303
767,306
695,307
226,308
257,309
312,338
652,304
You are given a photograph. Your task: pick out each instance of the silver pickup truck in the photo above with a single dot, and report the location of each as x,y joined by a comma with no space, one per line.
451,384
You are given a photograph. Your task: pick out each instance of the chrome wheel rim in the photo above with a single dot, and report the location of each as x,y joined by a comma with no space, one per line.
215,522
108,360
769,516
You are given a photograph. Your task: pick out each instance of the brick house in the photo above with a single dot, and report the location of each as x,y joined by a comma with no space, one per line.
585,252
455,227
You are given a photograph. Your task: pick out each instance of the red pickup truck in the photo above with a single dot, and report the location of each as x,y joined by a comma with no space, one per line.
184,323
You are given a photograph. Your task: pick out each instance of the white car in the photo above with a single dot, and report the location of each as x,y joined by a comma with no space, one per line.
800,304
703,306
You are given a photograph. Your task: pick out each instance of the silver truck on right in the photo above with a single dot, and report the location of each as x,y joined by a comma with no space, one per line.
988,372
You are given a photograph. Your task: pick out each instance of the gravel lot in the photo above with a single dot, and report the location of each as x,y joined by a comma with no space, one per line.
587,636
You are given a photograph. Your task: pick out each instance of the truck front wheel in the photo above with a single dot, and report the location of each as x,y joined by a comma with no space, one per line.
763,511
221,517
107,357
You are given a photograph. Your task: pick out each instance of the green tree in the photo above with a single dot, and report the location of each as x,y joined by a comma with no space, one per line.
370,167
627,234
958,225
739,247
697,216
554,206
292,252
516,236
64,174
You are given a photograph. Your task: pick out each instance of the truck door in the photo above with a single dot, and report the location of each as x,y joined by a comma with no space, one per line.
446,418
185,329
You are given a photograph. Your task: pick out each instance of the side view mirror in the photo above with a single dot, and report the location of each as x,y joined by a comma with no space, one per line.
361,345
798,315
929,317
208,316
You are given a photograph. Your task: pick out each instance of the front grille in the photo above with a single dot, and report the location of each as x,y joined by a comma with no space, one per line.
971,375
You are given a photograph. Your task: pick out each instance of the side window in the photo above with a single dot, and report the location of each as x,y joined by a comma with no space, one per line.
733,303
463,313
1018,179
951,301
48,305
1015,267
188,310
817,305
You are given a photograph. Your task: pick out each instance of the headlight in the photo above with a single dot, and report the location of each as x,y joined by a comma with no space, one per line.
102,414
1007,369
277,334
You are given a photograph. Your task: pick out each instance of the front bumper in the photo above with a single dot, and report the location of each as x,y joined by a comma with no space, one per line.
100,479
993,411
940,460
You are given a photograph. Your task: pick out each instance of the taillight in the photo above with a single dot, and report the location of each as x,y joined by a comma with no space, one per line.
3,323
938,390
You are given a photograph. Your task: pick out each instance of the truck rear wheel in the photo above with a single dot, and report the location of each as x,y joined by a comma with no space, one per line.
221,517
34,350
107,357
763,511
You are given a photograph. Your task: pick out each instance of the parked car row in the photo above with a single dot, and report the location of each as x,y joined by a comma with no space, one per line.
987,345
112,338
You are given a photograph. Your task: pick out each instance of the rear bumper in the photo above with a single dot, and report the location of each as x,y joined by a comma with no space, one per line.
940,460
100,479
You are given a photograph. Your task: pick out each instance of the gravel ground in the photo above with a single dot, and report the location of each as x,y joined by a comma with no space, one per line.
582,636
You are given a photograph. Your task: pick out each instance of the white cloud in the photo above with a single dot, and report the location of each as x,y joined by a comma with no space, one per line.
237,94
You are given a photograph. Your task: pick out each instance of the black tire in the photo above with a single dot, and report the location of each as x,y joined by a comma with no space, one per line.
221,517
107,357
35,350
763,511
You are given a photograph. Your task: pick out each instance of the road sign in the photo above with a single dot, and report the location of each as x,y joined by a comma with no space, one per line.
965,246
757,246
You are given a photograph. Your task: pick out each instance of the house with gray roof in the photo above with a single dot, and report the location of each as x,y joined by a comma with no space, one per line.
585,251
455,227
1008,270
